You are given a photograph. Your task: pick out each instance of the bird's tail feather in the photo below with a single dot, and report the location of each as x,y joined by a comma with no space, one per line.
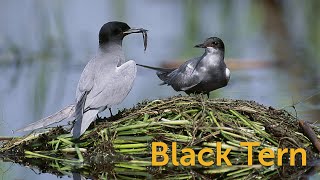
162,73
156,68
64,113
82,125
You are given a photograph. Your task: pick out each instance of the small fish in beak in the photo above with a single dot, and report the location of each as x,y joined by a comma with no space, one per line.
139,30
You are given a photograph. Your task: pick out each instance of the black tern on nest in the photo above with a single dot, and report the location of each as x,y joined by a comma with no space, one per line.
199,75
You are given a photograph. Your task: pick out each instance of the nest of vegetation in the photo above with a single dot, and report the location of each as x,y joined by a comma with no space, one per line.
120,146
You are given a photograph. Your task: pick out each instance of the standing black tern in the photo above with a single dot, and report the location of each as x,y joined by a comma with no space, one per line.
199,75
105,81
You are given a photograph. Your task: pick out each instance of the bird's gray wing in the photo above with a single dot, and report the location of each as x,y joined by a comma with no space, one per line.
85,85
186,76
86,79
77,128
113,87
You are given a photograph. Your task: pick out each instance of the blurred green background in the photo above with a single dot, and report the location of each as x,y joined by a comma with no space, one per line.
272,50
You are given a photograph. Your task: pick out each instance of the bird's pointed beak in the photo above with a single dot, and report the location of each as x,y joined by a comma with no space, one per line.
135,30
200,46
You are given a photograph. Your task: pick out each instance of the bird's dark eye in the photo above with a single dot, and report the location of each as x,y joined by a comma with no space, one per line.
116,31
215,43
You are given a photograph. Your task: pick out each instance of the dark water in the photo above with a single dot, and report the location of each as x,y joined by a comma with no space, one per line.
272,49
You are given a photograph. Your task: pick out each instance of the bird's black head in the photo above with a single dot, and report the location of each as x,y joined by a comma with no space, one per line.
115,31
213,42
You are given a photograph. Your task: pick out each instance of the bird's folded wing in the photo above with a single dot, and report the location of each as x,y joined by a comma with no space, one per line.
80,106
185,77
85,85
86,81
83,119
114,86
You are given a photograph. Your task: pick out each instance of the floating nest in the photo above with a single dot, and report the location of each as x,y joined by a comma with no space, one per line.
120,146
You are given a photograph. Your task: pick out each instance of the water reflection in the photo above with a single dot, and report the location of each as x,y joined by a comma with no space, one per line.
44,46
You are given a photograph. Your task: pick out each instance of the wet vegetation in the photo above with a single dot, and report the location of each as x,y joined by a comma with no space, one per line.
120,146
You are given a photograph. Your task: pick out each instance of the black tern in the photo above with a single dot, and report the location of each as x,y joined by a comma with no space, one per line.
105,81
199,75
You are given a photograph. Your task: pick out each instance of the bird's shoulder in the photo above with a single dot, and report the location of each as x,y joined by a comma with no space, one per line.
129,67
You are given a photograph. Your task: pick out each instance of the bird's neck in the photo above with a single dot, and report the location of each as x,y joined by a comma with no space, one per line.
112,46
213,57
213,51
